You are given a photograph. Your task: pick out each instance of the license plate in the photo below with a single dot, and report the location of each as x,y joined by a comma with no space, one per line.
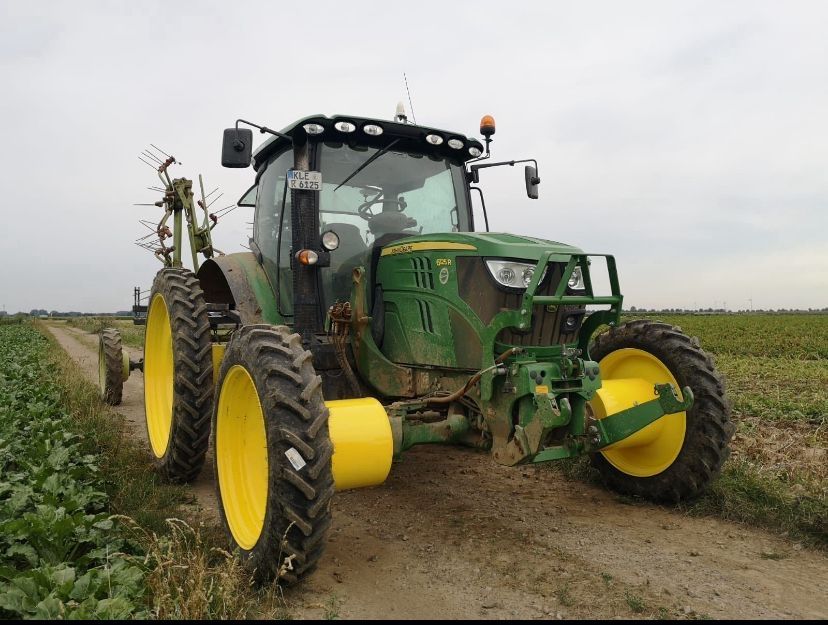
305,180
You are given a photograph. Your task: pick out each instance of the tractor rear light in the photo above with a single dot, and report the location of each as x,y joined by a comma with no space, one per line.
455,144
314,129
372,129
434,139
345,126
307,257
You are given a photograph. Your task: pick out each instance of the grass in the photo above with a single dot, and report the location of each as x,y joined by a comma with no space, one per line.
634,602
131,334
564,596
189,575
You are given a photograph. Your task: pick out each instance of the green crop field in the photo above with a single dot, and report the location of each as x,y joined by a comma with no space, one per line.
776,366
60,554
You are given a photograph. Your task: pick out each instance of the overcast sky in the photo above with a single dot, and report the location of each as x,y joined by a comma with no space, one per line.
690,139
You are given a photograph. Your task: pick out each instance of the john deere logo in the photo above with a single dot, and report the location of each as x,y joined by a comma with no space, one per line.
444,275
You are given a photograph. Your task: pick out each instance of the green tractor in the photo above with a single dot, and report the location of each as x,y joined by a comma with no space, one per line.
372,314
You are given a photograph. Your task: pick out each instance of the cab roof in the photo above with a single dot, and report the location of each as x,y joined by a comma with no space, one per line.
406,137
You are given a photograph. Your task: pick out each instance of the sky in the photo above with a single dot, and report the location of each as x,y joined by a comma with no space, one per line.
688,139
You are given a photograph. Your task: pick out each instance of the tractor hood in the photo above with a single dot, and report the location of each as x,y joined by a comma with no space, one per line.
487,244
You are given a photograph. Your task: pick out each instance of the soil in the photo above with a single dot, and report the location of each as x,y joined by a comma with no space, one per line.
451,534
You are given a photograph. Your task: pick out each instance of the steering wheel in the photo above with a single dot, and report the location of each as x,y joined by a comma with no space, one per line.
367,214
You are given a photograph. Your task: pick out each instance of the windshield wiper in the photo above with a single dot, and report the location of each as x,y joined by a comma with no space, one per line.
374,157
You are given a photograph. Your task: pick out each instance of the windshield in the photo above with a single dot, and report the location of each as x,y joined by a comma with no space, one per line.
395,195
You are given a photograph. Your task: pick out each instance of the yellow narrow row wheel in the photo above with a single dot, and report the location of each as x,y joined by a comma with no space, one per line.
111,375
272,453
676,457
178,375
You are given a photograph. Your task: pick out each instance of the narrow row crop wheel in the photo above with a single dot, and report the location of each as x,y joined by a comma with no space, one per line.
676,457
272,453
178,375
113,366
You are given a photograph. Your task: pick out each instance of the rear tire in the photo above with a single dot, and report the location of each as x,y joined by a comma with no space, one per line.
178,375
111,366
708,426
272,453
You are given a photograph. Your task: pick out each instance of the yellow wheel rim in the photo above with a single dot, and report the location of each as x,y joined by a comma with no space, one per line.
158,376
628,377
241,456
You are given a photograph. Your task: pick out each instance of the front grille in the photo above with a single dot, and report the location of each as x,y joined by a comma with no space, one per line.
486,298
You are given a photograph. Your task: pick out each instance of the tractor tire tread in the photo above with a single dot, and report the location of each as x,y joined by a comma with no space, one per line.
298,512
112,354
193,375
709,428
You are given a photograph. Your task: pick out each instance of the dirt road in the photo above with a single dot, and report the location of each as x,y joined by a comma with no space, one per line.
453,535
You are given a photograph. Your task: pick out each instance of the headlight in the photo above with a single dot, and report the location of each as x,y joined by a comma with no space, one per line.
512,274
576,280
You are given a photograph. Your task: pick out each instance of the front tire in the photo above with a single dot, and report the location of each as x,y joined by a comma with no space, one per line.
272,453
695,443
178,375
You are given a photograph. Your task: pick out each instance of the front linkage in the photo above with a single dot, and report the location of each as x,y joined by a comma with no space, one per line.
536,402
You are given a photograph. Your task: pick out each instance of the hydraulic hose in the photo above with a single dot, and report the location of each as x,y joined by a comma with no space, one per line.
447,399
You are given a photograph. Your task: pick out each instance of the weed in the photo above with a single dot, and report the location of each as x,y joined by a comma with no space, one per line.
564,596
332,606
635,603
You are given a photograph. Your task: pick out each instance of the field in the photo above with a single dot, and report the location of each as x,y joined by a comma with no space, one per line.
480,518
86,530
776,369
59,548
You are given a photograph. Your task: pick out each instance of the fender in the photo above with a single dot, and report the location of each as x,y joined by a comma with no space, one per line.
240,281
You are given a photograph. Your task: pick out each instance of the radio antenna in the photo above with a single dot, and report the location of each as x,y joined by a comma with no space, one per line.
410,103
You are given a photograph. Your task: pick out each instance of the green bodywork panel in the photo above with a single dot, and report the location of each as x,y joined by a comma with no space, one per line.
427,323
434,340
248,284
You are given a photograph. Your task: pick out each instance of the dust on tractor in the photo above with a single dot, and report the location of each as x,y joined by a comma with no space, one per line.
372,314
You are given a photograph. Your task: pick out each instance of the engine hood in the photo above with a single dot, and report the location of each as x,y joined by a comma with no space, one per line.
488,244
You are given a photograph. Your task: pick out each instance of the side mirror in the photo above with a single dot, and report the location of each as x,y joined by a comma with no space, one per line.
237,147
532,181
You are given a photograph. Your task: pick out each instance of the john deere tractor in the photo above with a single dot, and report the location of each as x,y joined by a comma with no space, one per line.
373,313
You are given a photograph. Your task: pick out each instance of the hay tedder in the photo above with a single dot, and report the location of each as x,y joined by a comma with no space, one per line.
372,314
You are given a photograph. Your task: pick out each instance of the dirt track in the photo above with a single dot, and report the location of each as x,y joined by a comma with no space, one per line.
453,535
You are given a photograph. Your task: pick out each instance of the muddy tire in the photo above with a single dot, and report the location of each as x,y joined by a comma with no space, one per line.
708,428
272,453
111,366
178,375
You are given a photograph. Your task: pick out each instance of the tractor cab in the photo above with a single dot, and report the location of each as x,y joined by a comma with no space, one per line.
374,183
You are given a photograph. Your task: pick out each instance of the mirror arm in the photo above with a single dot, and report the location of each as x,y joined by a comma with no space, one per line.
262,129
474,168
